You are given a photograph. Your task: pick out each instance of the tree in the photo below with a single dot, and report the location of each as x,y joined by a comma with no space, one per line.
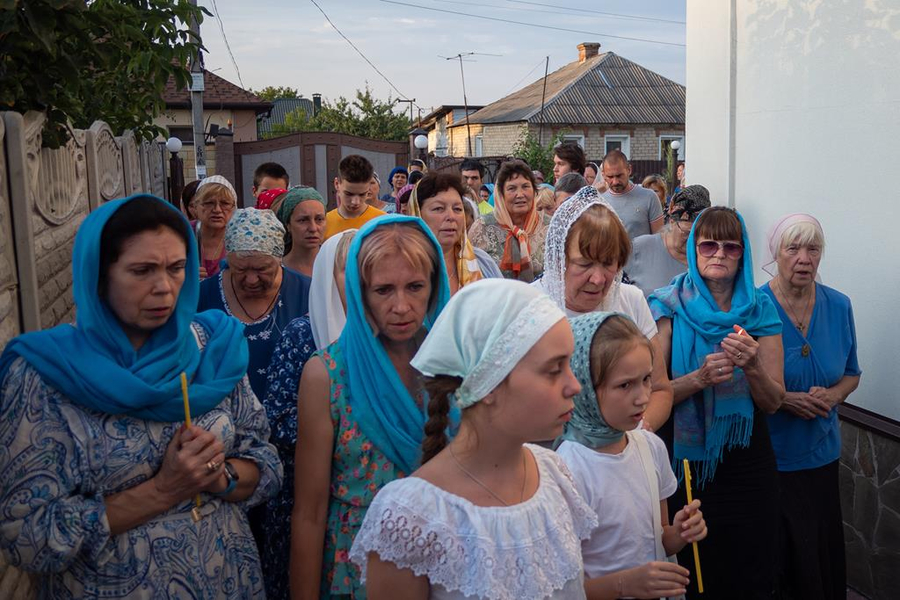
81,61
271,93
538,156
366,116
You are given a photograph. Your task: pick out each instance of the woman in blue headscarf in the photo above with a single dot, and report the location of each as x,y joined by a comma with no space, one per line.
721,338
362,412
98,475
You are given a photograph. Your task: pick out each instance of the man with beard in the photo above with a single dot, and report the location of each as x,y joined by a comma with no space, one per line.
638,207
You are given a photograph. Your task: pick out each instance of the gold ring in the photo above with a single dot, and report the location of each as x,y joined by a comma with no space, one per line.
212,466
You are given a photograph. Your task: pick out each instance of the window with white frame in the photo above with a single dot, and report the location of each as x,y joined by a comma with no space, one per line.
617,142
479,145
665,141
573,137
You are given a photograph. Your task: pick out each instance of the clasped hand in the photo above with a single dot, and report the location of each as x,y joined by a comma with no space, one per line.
738,350
185,470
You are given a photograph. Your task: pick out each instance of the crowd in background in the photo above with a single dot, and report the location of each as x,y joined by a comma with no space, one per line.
457,388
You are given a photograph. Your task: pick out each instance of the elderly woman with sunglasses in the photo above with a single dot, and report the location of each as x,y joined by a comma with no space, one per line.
820,371
721,338
657,258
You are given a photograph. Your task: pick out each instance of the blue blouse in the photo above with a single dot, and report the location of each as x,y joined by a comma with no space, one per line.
262,335
57,463
283,377
801,443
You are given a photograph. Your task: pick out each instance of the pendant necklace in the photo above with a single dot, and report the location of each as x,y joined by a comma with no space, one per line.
804,351
247,312
486,488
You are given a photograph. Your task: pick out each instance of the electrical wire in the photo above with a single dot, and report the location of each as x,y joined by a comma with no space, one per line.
227,45
600,12
608,35
364,57
516,85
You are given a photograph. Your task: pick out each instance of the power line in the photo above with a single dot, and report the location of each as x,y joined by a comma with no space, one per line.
608,35
227,45
516,85
600,12
364,57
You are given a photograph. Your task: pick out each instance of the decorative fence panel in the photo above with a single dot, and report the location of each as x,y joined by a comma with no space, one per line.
45,194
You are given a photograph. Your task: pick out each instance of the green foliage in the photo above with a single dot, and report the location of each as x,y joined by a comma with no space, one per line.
272,93
82,61
366,116
538,156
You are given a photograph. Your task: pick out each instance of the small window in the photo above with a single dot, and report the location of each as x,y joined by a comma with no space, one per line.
578,139
479,145
618,142
185,134
665,141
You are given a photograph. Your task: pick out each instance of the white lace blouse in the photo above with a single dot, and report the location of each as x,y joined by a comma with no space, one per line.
528,550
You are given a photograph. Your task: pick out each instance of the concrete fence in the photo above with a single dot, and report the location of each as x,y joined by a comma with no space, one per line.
44,196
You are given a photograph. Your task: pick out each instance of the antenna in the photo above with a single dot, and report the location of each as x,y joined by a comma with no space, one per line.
462,75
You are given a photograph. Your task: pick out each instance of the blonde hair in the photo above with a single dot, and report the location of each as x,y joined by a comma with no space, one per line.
340,252
399,239
546,199
212,190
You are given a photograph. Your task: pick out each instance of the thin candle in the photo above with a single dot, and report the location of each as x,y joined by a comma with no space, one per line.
195,512
687,485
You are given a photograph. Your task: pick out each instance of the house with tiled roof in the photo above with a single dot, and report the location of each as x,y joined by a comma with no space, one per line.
602,101
225,105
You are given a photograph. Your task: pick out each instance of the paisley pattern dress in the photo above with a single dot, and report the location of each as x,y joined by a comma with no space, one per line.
283,379
358,471
59,460
487,234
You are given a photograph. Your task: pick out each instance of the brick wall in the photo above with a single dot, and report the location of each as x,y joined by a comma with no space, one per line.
458,138
499,139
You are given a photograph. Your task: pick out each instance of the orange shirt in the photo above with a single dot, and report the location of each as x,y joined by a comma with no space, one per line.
335,223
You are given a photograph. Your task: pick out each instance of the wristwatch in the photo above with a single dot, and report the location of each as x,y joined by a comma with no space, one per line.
231,475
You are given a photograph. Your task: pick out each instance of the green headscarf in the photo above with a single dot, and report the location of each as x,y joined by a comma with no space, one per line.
288,202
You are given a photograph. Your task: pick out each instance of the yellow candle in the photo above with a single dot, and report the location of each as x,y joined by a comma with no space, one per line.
195,513
687,485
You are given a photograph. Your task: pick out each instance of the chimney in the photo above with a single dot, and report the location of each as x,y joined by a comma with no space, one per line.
587,50
317,103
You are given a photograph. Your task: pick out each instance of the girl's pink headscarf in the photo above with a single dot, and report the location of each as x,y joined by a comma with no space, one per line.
776,232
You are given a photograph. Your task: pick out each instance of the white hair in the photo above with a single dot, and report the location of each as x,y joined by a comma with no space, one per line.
803,234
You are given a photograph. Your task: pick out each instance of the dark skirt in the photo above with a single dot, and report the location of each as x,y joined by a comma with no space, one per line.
812,558
738,559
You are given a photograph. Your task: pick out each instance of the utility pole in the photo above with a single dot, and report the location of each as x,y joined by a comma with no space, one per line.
411,102
197,102
462,74
543,96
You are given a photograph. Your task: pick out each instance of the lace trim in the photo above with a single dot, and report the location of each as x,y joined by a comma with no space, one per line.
554,280
523,332
466,559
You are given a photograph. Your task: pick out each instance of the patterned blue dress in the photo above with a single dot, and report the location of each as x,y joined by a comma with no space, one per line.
282,380
59,460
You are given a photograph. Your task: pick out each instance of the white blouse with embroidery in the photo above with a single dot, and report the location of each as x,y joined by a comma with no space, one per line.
528,550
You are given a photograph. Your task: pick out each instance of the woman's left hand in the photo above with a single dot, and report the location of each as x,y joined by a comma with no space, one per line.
828,395
741,349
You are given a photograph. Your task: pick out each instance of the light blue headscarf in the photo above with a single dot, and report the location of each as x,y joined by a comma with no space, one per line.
721,417
490,189
588,427
386,412
94,364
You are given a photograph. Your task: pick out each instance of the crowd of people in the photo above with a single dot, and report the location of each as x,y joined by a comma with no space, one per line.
456,389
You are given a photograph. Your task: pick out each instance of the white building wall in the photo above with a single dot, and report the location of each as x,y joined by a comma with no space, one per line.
794,106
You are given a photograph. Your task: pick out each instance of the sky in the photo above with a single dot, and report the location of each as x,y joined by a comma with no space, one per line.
290,43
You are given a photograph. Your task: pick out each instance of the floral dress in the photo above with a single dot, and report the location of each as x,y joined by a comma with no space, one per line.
487,234
283,379
59,460
358,471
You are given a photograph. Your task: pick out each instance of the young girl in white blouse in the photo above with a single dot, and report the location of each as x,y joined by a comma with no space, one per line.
623,472
487,515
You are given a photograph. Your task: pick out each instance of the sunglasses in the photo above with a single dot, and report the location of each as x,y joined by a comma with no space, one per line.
732,250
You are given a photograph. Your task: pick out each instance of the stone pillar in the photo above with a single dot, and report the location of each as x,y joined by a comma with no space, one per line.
225,154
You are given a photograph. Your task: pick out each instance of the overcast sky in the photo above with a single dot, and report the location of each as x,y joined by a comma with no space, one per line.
290,43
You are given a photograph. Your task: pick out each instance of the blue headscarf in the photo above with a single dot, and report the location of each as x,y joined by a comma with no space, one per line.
394,171
386,412
490,188
722,416
94,364
588,427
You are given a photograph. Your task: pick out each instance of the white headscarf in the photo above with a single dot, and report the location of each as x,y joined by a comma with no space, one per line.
554,280
326,312
483,346
220,180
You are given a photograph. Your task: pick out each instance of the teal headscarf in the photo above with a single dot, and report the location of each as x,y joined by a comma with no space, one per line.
289,202
721,417
588,427
382,406
94,364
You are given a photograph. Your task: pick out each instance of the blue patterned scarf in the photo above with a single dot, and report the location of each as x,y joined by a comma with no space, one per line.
588,427
386,412
721,417
95,365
